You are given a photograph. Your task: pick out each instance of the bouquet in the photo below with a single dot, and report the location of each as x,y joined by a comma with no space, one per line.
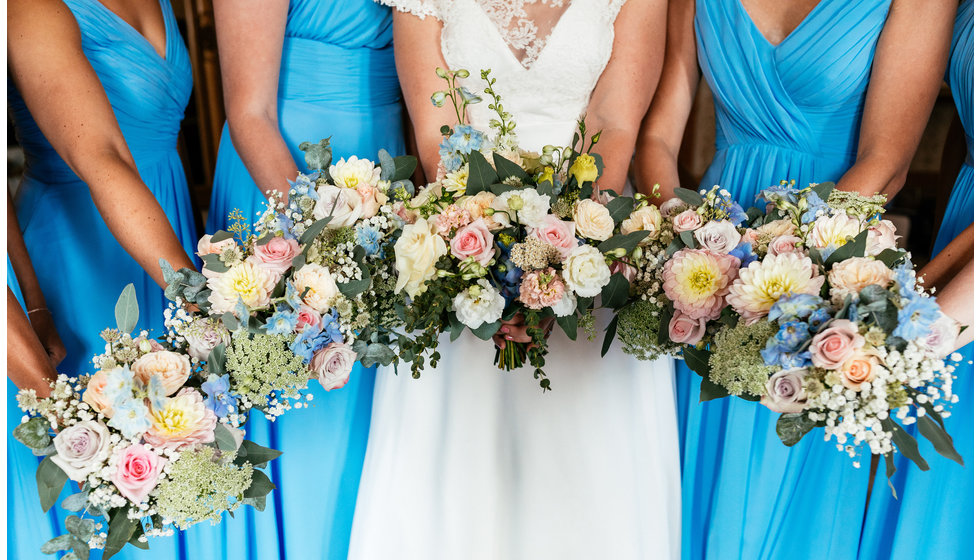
832,328
506,232
149,439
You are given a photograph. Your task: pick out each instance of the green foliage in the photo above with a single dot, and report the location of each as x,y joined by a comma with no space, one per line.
481,174
939,438
35,433
853,248
318,156
616,293
791,427
127,310
689,196
905,443
50,480
258,456
120,531
189,285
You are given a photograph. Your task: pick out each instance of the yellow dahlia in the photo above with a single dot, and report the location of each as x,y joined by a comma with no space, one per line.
761,284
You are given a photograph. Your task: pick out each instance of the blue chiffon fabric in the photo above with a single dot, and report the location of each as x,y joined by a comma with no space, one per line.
80,266
337,79
933,516
786,111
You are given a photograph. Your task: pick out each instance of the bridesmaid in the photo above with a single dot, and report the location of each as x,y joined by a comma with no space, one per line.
296,71
96,93
937,505
803,90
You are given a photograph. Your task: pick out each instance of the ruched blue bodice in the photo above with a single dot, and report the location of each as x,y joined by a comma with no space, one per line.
788,111
80,266
337,79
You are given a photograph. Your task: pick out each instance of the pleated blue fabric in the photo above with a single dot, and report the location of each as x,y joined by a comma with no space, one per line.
337,79
933,515
788,111
80,266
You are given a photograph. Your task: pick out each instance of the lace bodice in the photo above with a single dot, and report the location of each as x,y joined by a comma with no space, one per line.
546,55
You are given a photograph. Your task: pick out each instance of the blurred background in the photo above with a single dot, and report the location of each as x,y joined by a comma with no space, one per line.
916,211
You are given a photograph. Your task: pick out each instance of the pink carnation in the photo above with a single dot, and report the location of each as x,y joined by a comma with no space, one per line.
473,240
541,288
453,217
697,281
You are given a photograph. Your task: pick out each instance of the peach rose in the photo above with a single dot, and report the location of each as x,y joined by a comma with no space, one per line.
477,206
560,234
647,218
172,368
685,330
372,199
206,247
688,220
859,368
856,273
94,394
836,344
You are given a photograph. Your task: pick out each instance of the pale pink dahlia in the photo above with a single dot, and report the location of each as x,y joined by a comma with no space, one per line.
697,281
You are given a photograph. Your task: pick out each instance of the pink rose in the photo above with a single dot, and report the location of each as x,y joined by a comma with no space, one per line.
939,343
836,344
371,198
685,330
333,365
473,240
628,271
882,236
785,391
542,288
560,234
308,317
137,472
277,255
751,237
785,244
688,220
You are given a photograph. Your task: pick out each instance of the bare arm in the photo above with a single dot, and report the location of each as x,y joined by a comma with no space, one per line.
250,36
905,78
28,365
956,301
417,54
663,126
66,99
941,269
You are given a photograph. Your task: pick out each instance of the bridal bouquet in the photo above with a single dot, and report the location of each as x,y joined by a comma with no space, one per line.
505,232
307,294
148,441
832,329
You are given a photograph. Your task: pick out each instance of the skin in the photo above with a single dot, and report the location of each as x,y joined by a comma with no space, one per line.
250,36
912,51
29,365
620,97
63,93
951,274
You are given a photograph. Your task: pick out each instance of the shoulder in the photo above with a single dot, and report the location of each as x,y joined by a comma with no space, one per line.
418,8
50,21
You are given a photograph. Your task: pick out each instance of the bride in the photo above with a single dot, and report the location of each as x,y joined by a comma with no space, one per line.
473,462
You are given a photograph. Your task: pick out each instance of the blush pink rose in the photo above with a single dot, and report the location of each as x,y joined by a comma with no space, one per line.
560,234
836,344
277,255
333,365
786,391
137,472
785,244
685,330
751,237
473,240
206,247
628,271
688,220
882,236
307,317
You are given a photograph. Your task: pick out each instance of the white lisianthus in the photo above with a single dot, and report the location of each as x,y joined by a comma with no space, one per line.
343,206
355,173
322,287
592,220
246,280
480,304
416,252
585,271
566,306
529,207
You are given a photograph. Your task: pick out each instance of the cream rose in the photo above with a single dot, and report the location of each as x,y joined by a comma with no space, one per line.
833,231
343,206
856,273
647,218
786,391
592,220
720,237
859,368
173,369
835,344
94,394
203,335
688,220
322,287
777,228
416,252
881,236
585,271
941,340
247,281
82,449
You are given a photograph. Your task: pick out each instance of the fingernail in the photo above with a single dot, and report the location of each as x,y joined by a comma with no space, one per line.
505,329
508,337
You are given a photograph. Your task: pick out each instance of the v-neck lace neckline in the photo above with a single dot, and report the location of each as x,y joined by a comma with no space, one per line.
525,32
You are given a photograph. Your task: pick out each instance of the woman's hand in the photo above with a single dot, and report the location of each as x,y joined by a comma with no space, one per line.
43,324
515,330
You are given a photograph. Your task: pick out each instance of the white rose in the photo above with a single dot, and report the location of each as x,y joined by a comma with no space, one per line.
81,449
585,271
344,206
203,336
479,304
566,306
592,220
720,237
648,218
322,287
416,252
332,365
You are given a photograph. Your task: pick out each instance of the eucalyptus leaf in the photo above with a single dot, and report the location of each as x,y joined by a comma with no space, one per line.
616,293
939,438
81,528
930,410
387,165
585,192
214,263
49,450
121,529
791,427
689,196
57,544
135,539
50,480
75,502
376,354
255,454
620,208
486,330
127,310
663,329
823,190
354,287
257,502
35,433
221,235
507,168
815,256
569,324
313,231
216,360
230,321
687,237
481,174
891,256
403,184
905,443
318,156
889,471
500,188
626,242
456,328
675,245
404,167
853,248
261,485
610,335
224,438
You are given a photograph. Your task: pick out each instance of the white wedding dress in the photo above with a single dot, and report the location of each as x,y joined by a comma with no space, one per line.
470,462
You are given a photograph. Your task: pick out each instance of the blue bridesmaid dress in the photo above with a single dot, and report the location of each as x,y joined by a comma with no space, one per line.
337,79
80,266
786,111
933,516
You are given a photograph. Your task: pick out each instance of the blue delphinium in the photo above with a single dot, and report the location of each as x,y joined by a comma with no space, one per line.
119,385
461,142
743,252
131,417
219,400
783,348
905,278
308,341
156,393
815,206
916,318
507,274
331,327
793,307
369,238
785,192
283,321
293,296
304,185
818,318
